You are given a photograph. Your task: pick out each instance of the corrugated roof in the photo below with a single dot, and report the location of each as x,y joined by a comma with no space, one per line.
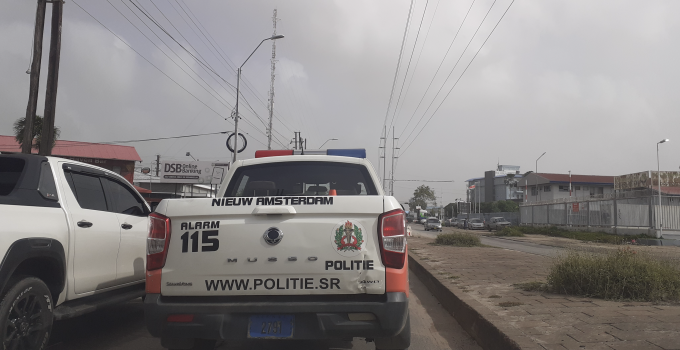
591,179
79,149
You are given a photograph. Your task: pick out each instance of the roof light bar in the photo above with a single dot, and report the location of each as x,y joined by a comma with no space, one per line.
351,152
273,153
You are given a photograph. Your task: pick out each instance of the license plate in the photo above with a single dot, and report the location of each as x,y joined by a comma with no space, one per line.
271,326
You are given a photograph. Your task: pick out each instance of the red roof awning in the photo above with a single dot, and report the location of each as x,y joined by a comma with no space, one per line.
78,149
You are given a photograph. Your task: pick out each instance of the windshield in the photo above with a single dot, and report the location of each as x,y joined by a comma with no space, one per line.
301,179
435,221
475,221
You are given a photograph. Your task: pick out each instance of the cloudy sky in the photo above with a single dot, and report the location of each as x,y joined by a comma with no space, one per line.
592,83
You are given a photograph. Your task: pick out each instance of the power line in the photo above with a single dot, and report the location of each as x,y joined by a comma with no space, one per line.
438,68
147,60
396,71
396,106
220,52
219,98
452,70
420,53
456,83
85,144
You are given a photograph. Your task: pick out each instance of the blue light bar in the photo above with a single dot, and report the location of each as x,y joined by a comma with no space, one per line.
355,152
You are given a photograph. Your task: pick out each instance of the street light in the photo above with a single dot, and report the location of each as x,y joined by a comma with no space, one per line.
658,175
238,85
327,141
539,193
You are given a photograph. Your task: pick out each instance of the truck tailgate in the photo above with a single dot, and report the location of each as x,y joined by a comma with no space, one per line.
274,246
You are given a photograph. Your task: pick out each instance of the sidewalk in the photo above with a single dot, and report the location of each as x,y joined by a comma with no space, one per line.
484,277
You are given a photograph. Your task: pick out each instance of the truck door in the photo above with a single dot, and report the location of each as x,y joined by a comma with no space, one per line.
96,232
133,218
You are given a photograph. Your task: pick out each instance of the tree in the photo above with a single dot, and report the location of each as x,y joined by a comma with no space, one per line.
421,196
20,127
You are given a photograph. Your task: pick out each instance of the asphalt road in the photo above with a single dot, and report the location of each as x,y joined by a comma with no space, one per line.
526,247
122,328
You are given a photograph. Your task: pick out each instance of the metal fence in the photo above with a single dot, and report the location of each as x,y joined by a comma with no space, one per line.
513,218
639,209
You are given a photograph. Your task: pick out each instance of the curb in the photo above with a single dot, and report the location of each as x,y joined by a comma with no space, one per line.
482,324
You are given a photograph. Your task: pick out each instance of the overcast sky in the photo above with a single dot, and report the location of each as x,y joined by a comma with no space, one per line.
592,83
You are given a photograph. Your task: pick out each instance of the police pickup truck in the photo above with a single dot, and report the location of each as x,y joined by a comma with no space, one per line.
294,247
73,240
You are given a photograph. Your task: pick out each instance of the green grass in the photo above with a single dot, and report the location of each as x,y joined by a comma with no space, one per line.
458,240
624,274
512,231
553,231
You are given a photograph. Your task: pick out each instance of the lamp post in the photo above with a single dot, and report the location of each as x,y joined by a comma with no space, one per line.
658,175
326,142
238,86
539,194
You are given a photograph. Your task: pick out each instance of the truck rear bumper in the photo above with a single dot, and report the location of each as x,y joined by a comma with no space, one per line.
313,320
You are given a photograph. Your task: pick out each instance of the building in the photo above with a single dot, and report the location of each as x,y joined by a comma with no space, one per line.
157,190
542,187
496,185
119,159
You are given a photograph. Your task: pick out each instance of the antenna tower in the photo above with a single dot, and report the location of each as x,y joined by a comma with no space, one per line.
270,131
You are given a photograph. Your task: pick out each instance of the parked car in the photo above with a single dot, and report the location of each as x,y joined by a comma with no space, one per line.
462,223
433,224
497,223
422,221
73,241
475,224
453,223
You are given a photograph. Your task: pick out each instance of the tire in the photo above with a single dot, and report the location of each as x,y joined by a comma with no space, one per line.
400,341
26,314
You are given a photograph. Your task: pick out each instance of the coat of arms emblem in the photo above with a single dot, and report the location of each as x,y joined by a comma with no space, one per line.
348,239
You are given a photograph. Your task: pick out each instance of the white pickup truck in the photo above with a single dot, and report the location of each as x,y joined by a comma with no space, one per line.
73,240
293,247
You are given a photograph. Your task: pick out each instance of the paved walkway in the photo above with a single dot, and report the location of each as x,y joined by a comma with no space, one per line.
546,321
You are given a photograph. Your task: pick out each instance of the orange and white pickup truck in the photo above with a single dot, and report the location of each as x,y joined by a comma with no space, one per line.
295,246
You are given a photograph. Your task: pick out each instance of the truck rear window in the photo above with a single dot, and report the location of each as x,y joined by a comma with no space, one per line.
10,172
301,179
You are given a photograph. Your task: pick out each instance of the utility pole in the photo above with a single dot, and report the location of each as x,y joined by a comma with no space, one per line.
47,136
271,87
394,151
383,143
34,71
158,163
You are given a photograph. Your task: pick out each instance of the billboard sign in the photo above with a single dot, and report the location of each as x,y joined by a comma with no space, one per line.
632,181
644,180
192,172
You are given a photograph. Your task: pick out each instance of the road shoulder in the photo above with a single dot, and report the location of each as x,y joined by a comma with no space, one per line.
476,286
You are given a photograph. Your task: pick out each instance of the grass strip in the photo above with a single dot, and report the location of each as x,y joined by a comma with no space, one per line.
458,240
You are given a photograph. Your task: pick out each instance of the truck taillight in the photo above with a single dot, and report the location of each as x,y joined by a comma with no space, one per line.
157,242
392,230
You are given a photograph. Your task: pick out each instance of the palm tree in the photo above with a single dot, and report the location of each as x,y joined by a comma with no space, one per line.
20,127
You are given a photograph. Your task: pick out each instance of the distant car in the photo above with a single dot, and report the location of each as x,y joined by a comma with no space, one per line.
409,219
461,223
497,223
453,222
422,221
433,224
475,224
446,222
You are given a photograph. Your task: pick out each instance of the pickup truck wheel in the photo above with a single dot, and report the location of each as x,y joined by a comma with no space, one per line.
400,341
26,314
